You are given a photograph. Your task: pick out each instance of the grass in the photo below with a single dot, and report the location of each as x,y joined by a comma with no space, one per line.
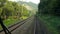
52,22
24,17
9,22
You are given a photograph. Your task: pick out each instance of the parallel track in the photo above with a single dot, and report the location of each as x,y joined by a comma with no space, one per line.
17,25
36,27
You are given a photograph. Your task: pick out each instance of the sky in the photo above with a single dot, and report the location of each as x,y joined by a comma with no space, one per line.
34,1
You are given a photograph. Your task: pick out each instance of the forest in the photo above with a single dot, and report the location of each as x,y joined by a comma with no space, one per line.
49,13
12,12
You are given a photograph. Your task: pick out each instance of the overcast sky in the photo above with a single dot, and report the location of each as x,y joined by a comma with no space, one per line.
34,1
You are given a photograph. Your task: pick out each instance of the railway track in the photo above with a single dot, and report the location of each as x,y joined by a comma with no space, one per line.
17,25
37,26
40,27
31,25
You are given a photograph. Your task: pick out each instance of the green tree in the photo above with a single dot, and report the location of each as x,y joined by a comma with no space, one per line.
49,7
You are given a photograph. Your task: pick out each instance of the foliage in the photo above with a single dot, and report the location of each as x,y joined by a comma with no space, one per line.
52,23
49,7
13,9
11,12
49,12
2,2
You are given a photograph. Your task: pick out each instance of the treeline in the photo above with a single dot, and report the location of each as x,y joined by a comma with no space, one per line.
49,12
51,7
12,9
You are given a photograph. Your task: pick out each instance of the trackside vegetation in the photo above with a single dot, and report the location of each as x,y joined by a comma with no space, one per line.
12,12
49,13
